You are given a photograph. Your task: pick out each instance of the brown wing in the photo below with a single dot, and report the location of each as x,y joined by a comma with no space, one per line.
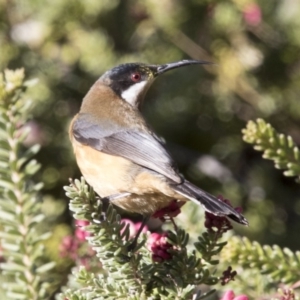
139,147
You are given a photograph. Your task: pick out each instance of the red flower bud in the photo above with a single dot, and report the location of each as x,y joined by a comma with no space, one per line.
158,245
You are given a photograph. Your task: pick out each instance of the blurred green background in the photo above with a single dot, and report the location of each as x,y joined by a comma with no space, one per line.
200,111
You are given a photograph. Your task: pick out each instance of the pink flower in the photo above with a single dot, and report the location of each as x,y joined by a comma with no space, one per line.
229,295
132,230
75,247
80,233
133,227
158,245
287,294
252,14
69,247
70,244
82,223
138,225
171,211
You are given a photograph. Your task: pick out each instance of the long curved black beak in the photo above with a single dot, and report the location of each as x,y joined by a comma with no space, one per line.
166,67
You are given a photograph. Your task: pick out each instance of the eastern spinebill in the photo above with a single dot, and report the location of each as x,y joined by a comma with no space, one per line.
121,157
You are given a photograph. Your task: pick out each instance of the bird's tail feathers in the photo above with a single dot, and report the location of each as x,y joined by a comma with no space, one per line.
209,202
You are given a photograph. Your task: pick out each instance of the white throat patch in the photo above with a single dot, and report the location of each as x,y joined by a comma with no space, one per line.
131,95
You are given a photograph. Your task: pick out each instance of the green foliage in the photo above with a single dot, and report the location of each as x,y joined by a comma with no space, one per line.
277,147
280,265
132,274
208,245
69,44
25,268
123,274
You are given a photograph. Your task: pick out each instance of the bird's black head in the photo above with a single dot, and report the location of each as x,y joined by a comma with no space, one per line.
131,81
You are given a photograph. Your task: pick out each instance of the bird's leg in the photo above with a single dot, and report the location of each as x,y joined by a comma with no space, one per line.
133,244
106,200
174,224
113,197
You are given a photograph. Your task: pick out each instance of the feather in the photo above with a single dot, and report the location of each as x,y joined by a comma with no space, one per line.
209,202
139,147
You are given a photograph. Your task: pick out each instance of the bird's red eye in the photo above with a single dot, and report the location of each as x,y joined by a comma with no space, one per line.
135,77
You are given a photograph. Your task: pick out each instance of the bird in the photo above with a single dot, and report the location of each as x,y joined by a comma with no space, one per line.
121,157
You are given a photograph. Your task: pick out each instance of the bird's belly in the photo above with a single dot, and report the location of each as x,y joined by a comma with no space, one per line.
111,175
107,174
145,204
